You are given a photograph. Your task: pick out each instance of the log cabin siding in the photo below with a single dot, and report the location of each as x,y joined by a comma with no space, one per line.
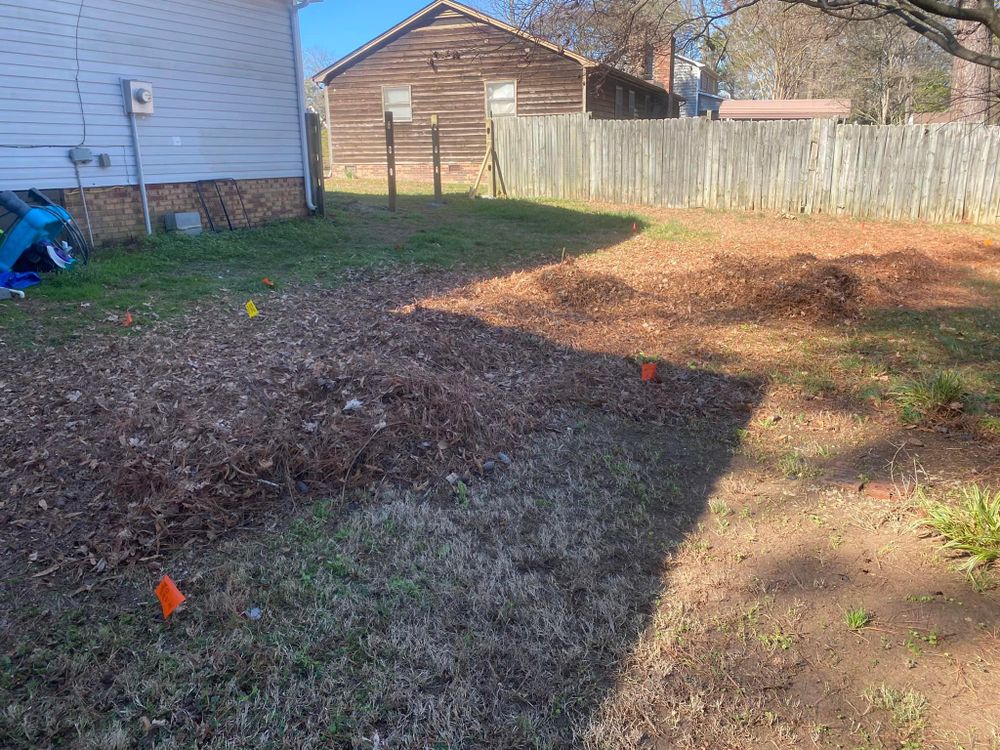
601,87
446,60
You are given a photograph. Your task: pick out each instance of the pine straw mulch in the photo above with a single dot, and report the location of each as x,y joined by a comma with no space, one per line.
644,294
120,448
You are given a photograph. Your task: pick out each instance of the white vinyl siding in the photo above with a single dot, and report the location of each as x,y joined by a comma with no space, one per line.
223,78
396,99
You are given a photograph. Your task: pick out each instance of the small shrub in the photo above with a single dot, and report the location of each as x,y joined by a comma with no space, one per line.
857,619
931,396
970,527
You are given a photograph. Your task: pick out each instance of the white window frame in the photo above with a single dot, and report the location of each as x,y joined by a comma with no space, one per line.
486,95
409,94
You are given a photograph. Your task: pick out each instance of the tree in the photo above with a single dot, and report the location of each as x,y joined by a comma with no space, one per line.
774,50
314,60
901,71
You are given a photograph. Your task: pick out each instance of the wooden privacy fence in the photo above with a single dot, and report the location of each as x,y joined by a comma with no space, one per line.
938,173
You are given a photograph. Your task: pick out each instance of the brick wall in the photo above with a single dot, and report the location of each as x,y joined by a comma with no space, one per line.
116,213
464,172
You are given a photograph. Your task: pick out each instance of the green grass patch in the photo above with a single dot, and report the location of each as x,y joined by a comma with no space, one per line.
930,396
970,526
673,231
907,709
857,619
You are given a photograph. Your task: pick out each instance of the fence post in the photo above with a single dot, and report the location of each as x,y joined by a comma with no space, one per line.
390,160
436,156
491,172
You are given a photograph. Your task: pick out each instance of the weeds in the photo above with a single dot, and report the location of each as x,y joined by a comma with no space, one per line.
931,396
857,619
719,508
907,709
971,527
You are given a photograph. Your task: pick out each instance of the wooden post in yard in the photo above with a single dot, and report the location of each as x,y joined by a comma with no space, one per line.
491,171
491,166
436,156
390,160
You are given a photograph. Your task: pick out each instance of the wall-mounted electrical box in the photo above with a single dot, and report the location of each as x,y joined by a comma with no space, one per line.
138,96
81,155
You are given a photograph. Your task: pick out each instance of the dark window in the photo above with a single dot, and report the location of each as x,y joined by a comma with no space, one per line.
619,101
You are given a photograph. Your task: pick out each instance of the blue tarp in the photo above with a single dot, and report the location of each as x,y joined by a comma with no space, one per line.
17,280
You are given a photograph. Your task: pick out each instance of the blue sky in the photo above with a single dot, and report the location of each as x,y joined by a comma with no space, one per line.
339,26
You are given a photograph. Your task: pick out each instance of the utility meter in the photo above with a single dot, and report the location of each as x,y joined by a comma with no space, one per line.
138,96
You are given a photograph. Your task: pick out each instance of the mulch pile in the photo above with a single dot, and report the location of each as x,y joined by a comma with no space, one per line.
118,448
570,284
804,286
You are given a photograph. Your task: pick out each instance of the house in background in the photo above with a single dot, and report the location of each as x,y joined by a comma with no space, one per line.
224,82
698,84
462,65
785,109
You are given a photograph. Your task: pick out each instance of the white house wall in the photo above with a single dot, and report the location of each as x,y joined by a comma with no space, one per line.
223,76
687,83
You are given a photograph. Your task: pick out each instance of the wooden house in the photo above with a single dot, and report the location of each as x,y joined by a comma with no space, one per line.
462,65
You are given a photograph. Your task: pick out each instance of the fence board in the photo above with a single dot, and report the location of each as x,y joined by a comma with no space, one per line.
938,173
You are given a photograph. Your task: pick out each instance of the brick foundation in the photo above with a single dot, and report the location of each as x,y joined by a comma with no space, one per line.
116,213
464,172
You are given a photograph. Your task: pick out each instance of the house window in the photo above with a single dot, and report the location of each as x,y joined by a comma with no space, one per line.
619,101
647,110
631,104
501,98
396,99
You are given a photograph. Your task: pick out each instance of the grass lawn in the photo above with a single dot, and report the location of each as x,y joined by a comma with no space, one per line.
166,275
424,500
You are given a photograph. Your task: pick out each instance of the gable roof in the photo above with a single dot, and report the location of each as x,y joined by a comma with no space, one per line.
387,36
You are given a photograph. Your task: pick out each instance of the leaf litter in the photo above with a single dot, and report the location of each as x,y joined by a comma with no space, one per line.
216,421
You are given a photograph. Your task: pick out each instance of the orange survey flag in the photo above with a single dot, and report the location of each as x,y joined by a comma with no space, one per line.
267,282
169,595
128,320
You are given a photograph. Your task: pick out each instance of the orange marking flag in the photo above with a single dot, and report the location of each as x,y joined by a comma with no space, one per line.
267,282
169,595
128,320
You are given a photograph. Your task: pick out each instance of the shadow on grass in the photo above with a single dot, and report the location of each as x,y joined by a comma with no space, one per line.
495,613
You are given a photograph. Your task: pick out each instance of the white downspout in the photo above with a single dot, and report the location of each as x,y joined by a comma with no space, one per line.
300,77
